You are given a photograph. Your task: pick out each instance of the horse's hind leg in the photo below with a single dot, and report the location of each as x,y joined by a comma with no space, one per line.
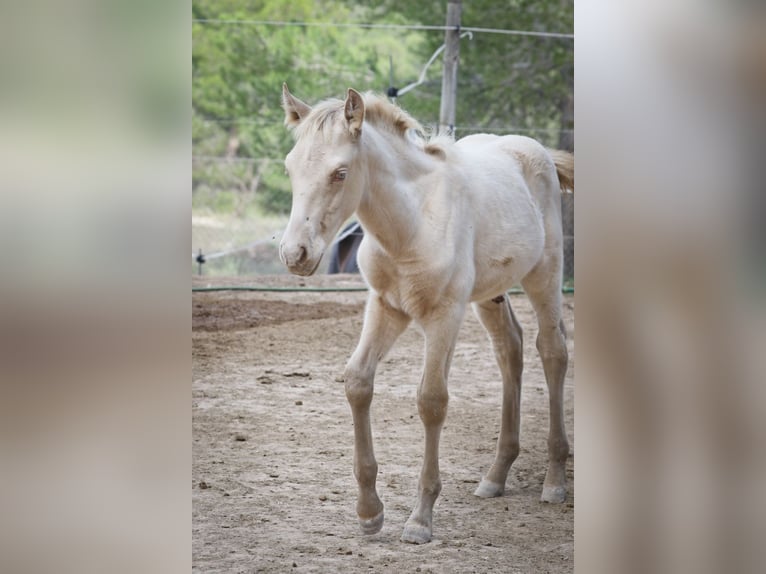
506,335
543,286
382,326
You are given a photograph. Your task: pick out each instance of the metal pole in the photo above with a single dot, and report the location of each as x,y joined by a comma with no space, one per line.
449,77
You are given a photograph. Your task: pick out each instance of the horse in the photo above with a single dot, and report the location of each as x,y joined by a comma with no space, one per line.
446,223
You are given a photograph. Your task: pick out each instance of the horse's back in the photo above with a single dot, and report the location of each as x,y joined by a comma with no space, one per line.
507,171
524,166
512,152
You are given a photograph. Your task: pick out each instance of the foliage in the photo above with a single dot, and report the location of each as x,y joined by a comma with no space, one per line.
506,83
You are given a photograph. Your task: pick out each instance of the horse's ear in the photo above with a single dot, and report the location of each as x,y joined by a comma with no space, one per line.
354,112
295,110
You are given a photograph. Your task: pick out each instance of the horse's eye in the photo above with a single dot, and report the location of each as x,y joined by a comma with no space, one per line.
339,175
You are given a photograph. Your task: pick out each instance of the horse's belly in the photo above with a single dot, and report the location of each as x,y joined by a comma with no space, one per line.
493,282
499,266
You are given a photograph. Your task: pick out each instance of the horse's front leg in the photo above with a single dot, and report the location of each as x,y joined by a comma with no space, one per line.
382,326
441,335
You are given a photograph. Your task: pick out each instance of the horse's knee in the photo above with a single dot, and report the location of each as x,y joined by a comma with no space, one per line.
552,345
358,390
432,405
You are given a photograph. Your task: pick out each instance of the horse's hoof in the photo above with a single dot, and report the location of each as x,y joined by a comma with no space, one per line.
416,534
554,494
489,489
372,525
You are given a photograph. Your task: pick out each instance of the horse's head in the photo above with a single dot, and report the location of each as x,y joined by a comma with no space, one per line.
326,184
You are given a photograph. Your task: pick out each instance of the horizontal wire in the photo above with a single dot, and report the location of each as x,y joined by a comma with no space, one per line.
510,131
384,27
224,253
517,32
320,24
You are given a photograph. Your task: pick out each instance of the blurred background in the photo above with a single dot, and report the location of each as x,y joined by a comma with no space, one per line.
242,51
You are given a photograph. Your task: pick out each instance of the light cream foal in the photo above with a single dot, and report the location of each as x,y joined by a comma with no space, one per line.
446,224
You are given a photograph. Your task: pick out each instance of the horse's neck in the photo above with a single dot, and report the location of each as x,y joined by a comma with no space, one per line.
390,209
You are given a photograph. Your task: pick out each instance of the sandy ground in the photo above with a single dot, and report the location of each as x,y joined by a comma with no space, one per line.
272,482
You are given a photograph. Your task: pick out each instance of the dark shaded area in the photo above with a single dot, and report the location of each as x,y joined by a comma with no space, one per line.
343,254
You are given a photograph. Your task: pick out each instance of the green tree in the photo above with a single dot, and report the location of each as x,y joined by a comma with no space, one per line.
238,72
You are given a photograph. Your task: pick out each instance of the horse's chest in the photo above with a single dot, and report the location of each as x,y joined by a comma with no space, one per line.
413,291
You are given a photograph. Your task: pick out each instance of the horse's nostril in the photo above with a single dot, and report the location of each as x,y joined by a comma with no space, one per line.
302,255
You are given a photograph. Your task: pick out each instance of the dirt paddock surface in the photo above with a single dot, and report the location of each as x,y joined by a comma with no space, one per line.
272,480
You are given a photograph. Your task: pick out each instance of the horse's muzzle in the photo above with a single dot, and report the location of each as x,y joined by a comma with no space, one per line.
298,260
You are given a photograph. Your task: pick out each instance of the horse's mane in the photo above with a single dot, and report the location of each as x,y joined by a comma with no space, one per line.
380,113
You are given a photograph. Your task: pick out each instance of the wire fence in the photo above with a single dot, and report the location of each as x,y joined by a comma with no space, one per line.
414,27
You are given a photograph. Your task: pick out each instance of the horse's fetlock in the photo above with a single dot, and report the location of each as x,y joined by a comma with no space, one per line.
366,473
431,488
511,451
558,449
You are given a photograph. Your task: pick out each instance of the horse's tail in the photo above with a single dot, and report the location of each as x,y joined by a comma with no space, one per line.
564,168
